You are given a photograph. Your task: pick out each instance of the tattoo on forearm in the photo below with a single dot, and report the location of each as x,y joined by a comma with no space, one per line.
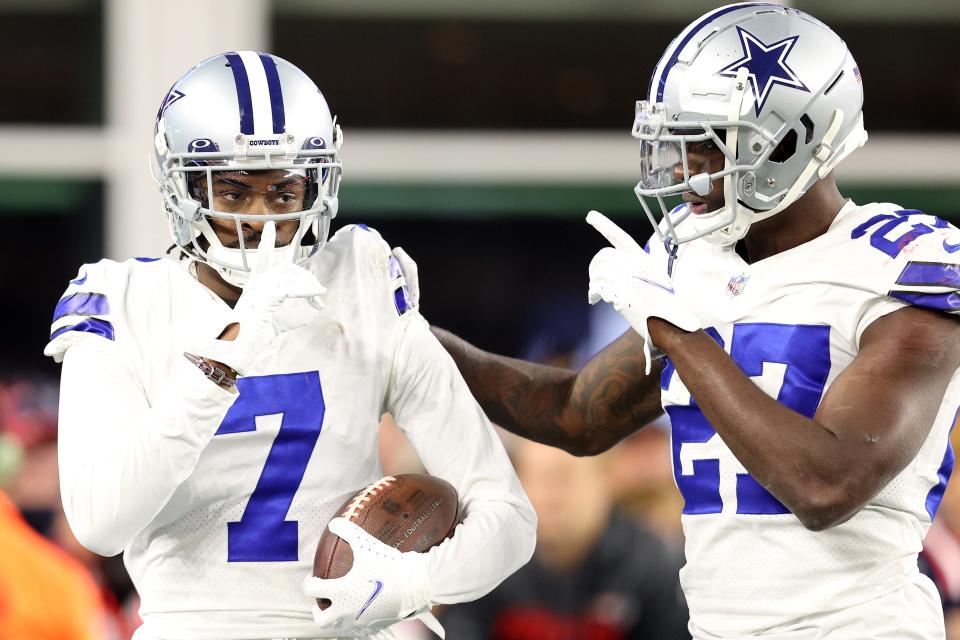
614,394
581,412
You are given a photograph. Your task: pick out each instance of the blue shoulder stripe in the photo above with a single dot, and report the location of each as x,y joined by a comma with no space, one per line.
82,303
943,475
930,274
938,301
401,300
90,325
401,296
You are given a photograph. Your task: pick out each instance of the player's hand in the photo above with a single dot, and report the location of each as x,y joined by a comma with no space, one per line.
411,276
257,312
382,587
626,277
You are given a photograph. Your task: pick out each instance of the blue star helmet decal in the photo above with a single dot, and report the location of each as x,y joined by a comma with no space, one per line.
767,66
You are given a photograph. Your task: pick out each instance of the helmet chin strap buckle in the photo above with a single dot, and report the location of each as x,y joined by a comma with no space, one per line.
700,184
823,152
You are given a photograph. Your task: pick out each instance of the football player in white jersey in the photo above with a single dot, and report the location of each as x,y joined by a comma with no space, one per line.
218,407
805,348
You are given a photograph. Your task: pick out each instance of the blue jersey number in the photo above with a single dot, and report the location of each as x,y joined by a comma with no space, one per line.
794,357
892,247
263,534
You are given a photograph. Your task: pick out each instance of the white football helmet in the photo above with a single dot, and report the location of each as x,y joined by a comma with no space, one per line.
237,113
774,89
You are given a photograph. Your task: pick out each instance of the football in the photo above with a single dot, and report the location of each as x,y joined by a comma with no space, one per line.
411,512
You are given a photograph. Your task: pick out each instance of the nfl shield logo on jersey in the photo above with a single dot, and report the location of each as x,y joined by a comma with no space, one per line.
736,285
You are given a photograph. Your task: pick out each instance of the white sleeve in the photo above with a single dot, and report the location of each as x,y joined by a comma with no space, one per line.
920,269
456,442
121,459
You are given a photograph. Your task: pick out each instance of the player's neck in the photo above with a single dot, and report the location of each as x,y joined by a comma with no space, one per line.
209,278
807,218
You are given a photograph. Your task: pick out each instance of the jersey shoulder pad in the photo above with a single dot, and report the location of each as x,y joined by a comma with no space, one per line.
93,303
362,238
917,255
373,261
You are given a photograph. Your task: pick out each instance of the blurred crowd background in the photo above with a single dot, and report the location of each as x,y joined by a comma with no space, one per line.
477,135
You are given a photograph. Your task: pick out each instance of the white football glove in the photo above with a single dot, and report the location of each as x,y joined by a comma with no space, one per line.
625,276
257,310
410,275
383,587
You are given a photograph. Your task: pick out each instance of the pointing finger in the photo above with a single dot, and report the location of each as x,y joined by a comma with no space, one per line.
614,234
268,239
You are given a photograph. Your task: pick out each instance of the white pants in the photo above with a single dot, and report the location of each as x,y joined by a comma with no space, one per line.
912,613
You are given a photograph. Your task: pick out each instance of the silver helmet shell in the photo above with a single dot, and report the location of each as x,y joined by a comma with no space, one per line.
775,89
241,112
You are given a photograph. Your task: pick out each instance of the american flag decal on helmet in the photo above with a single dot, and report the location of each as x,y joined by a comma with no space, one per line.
856,74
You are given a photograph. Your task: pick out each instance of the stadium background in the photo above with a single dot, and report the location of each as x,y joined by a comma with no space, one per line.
477,134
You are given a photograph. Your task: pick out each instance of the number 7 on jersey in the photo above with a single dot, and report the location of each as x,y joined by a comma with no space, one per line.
263,534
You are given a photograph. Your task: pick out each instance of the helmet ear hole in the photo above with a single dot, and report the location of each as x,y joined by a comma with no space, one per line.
787,147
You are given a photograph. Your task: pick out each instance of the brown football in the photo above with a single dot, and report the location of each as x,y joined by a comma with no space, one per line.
410,511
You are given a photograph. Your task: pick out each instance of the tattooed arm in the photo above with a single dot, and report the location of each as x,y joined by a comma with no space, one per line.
584,412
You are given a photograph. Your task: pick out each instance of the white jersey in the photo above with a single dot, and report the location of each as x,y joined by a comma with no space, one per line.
793,323
218,500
